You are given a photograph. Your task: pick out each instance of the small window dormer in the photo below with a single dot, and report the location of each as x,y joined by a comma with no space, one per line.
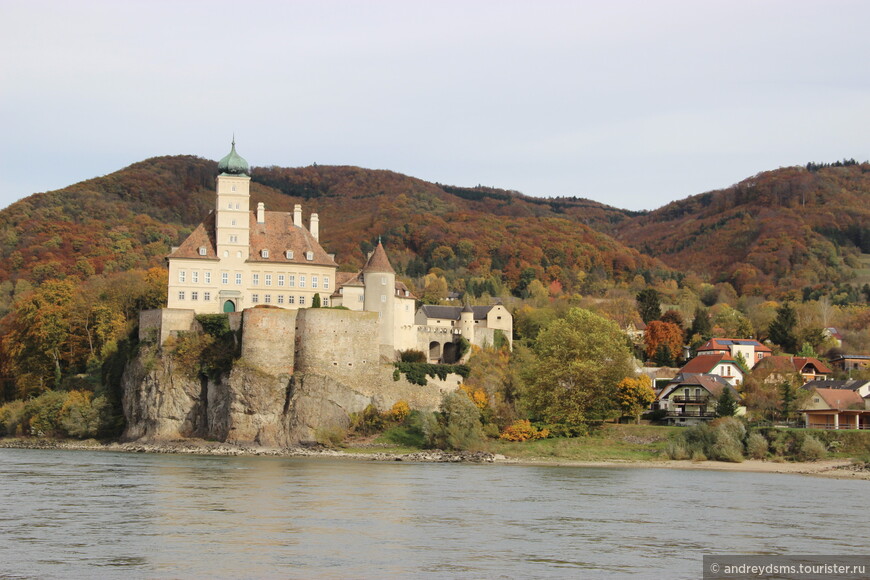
309,255
264,253
289,254
202,250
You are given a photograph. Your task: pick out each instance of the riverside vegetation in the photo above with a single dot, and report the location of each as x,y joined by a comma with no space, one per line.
77,265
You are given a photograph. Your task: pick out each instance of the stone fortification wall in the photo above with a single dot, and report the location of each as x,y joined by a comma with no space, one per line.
275,394
158,325
269,339
336,342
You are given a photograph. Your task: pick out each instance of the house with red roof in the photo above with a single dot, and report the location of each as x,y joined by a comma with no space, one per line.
752,350
776,369
836,409
719,364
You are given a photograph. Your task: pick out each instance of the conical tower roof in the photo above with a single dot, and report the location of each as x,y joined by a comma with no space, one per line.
378,262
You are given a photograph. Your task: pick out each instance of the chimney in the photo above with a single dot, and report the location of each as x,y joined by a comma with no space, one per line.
261,213
315,227
297,215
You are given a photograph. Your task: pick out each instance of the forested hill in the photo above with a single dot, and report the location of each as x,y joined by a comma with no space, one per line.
791,228
130,219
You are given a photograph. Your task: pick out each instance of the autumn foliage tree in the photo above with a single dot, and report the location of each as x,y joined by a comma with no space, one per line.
635,395
663,335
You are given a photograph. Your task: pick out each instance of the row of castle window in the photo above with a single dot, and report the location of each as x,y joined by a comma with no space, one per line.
255,298
289,280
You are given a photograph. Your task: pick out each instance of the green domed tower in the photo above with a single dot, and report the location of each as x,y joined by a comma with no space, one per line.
233,163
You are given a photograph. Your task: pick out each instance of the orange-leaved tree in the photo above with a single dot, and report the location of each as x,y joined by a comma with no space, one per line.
634,395
660,334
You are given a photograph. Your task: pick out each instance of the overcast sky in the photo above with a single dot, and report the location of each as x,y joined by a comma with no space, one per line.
633,104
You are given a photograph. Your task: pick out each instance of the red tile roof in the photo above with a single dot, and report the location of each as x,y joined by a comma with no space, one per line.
841,399
277,234
726,343
704,363
792,364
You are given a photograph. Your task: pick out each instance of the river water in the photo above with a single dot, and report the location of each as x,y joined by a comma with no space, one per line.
82,514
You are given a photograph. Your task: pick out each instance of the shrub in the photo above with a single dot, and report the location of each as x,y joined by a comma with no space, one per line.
412,356
81,414
12,418
43,414
676,449
811,449
756,446
523,430
416,373
727,448
460,422
331,437
367,422
399,411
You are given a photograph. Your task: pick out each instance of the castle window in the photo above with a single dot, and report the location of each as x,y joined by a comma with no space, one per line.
291,300
264,253
326,283
280,279
255,298
309,255
202,250
233,188
230,205
226,254
302,281
255,280
225,278
326,301
268,299
238,278
280,299
383,298
206,296
194,277
182,276
383,280
302,301
360,298
268,279
237,205
238,254
208,277
314,281
233,222
181,294
291,280
234,239
289,254
194,295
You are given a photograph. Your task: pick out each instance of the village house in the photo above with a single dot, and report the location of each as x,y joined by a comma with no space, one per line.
776,369
692,398
720,364
851,362
836,409
751,350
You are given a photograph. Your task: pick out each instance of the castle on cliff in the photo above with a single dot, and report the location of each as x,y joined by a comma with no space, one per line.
237,259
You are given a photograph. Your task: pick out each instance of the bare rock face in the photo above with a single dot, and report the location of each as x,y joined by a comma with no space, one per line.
160,402
249,406
318,402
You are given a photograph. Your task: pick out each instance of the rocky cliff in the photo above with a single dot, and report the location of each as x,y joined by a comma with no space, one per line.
262,400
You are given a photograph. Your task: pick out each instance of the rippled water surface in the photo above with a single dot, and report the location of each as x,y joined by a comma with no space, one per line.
78,514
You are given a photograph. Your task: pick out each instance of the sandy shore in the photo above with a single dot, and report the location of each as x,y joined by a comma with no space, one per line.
834,468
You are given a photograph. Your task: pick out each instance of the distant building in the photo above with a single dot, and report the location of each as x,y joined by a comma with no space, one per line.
692,398
719,364
238,258
851,362
752,350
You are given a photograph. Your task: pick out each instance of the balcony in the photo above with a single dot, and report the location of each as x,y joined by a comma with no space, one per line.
699,400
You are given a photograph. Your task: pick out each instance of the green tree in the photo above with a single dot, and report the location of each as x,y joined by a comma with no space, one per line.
578,362
740,360
701,324
649,305
782,330
315,302
726,406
